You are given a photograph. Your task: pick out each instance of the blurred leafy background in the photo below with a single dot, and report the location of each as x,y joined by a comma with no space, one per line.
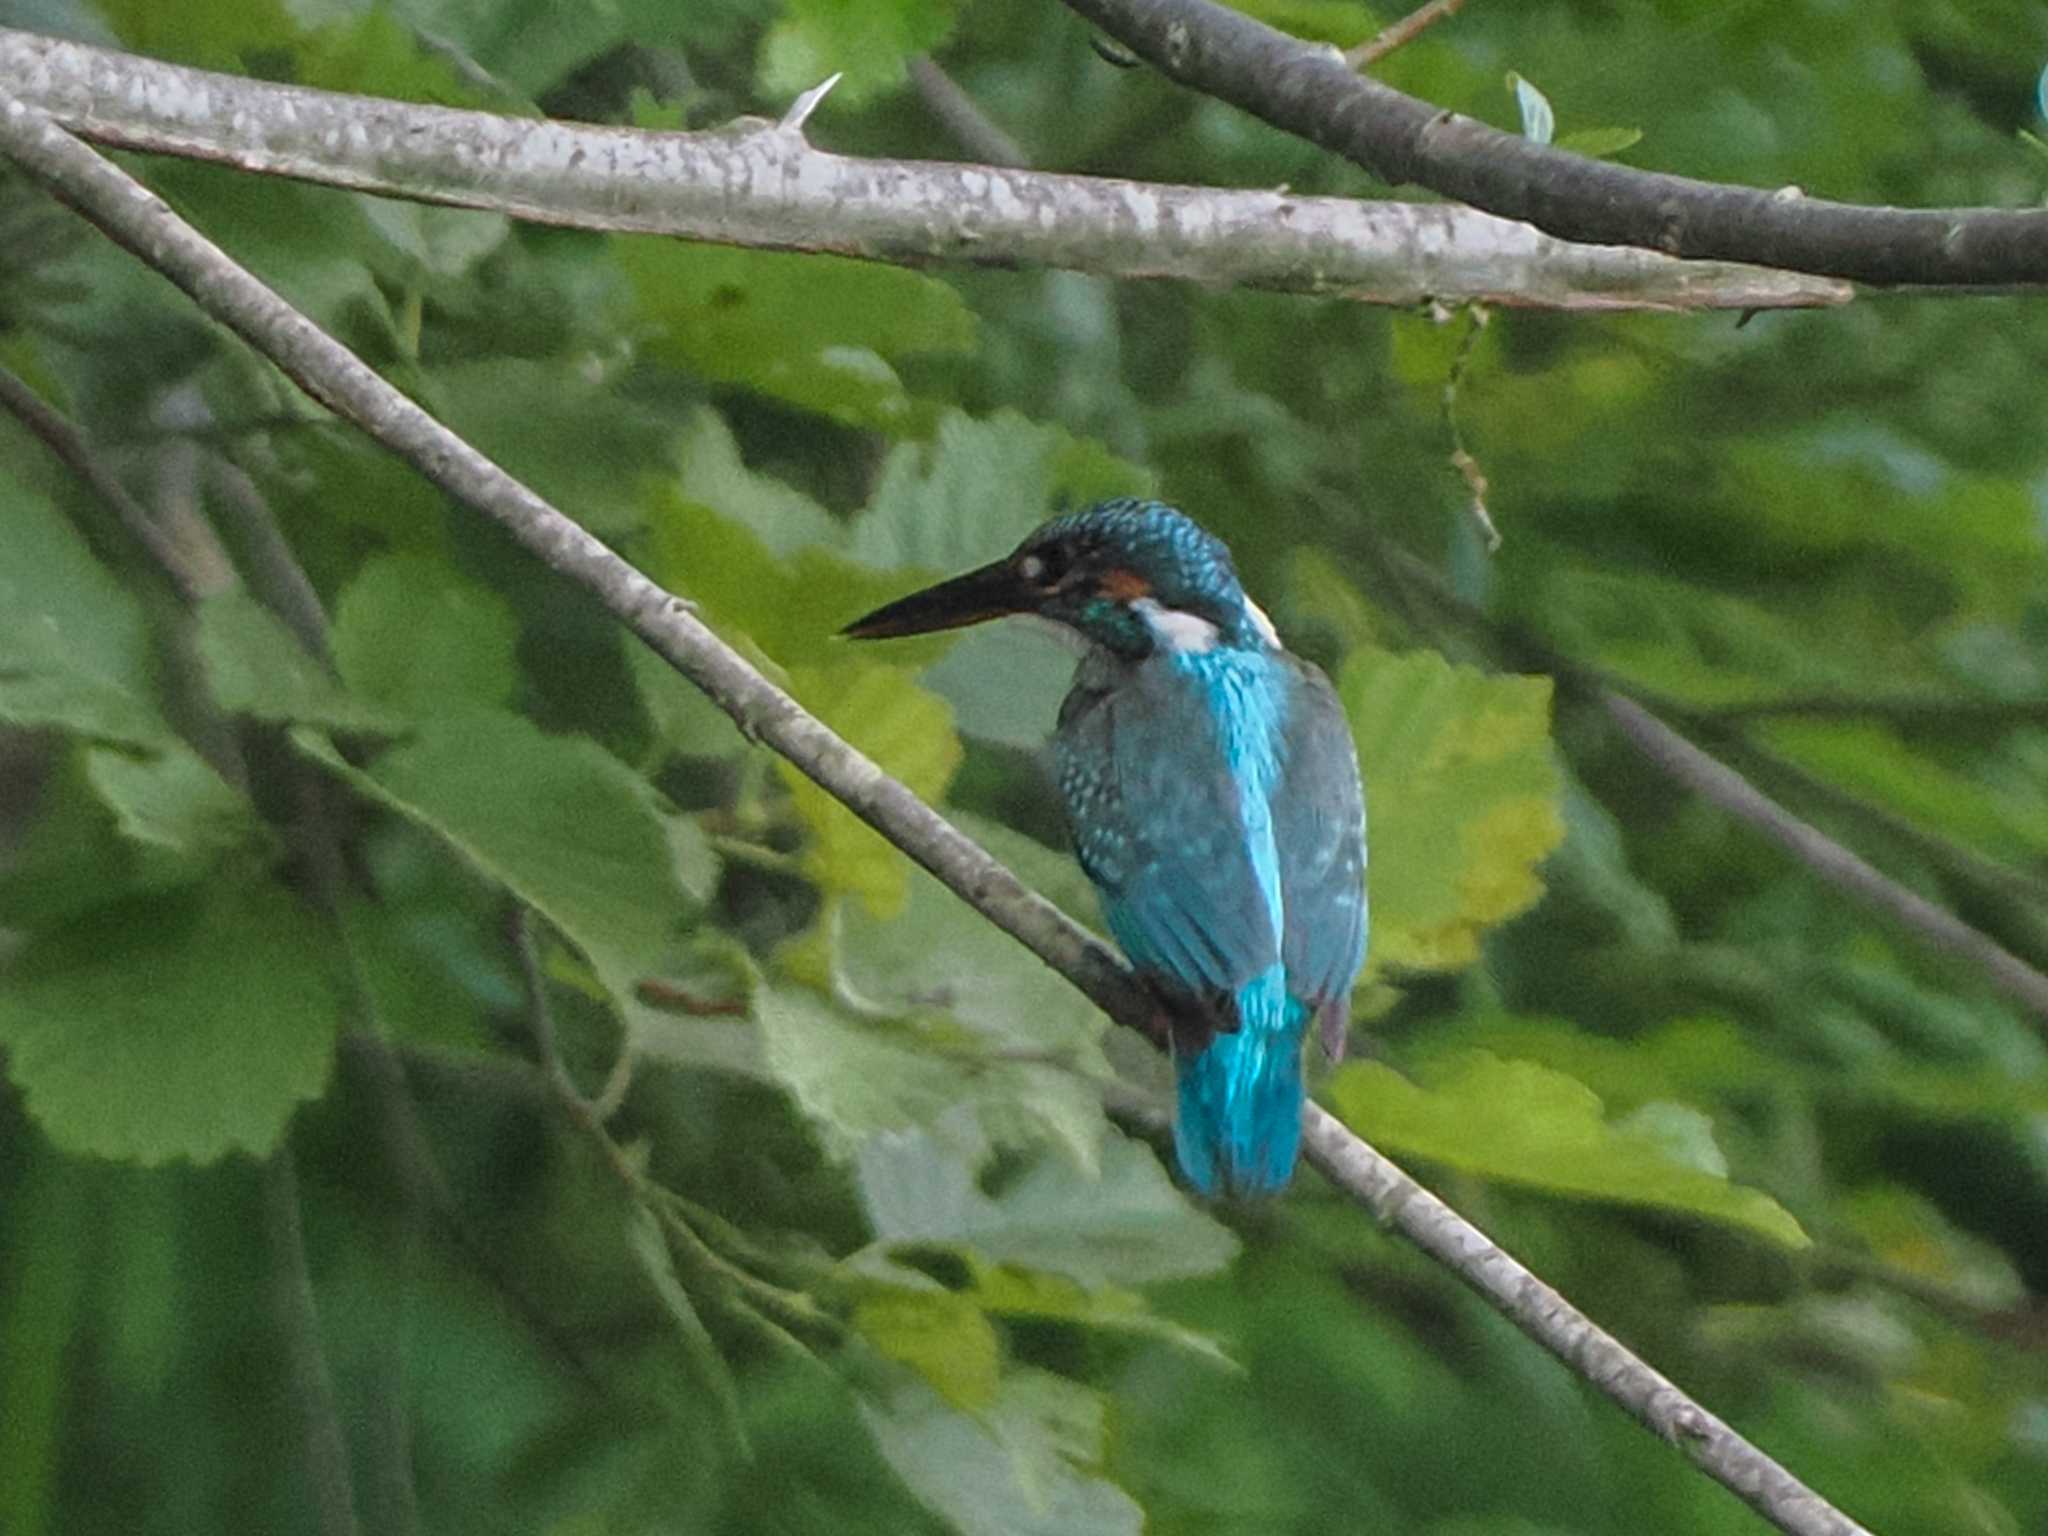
862,1250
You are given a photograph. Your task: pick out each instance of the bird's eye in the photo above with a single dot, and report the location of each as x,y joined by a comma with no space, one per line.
1044,567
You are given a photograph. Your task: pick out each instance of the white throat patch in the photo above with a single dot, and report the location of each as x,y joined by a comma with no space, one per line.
1175,629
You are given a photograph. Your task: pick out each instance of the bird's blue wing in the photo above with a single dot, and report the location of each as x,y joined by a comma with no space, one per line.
1319,829
1159,826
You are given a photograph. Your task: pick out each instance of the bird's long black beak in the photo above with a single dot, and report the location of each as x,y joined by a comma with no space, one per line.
988,593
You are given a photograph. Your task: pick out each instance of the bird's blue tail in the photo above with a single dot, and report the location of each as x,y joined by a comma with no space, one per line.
1239,1122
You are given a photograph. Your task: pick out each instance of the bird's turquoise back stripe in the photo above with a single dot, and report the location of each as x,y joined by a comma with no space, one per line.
1239,1121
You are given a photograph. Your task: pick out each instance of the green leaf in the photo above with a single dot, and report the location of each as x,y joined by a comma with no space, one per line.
1697,1058
784,610
819,332
175,803
1599,143
938,952
559,822
853,1077
311,244
1025,1466
972,492
74,650
1903,1228
1345,23
185,1025
1461,801
942,1336
72,857
1124,1225
868,41
1026,1295
713,966
1320,596
1590,872
572,437
909,732
436,242
1704,646
713,474
1524,1124
257,667
1868,758
681,714
411,634
214,34
374,53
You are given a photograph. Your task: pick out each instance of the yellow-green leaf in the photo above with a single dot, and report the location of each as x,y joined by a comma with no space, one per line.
1599,143
1461,797
906,729
1524,1124
942,1336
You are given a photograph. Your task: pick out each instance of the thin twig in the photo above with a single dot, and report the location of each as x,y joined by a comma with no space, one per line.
1461,460
1910,711
1406,30
540,1018
312,1387
274,571
952,106
1723,786
1569,1334
749,184
768,1311
1963,863
194,574
1694,768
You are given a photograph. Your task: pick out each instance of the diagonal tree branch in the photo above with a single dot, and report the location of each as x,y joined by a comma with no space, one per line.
1686,764
1717,782
1311,91
751,184
193,567
132,216
1401,33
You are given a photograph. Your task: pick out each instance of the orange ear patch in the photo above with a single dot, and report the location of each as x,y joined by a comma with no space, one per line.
1123,585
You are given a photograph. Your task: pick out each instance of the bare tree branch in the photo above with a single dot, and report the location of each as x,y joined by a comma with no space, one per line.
131,215
194,572
1685,763
749,184
1568,1333
1837,865
1910,711
1401,33
978,134
312,1385
1312,91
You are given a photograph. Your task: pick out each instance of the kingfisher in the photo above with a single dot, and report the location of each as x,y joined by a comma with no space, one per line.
1213,796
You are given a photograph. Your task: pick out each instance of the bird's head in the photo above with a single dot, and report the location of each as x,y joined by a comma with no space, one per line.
1131,576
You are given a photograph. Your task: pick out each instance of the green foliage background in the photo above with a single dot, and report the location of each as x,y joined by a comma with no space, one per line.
864,1252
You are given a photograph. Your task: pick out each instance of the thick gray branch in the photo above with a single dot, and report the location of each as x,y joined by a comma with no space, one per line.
1311,91
134,217
753,184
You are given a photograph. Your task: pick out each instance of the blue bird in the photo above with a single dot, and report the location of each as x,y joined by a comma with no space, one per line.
1213,795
